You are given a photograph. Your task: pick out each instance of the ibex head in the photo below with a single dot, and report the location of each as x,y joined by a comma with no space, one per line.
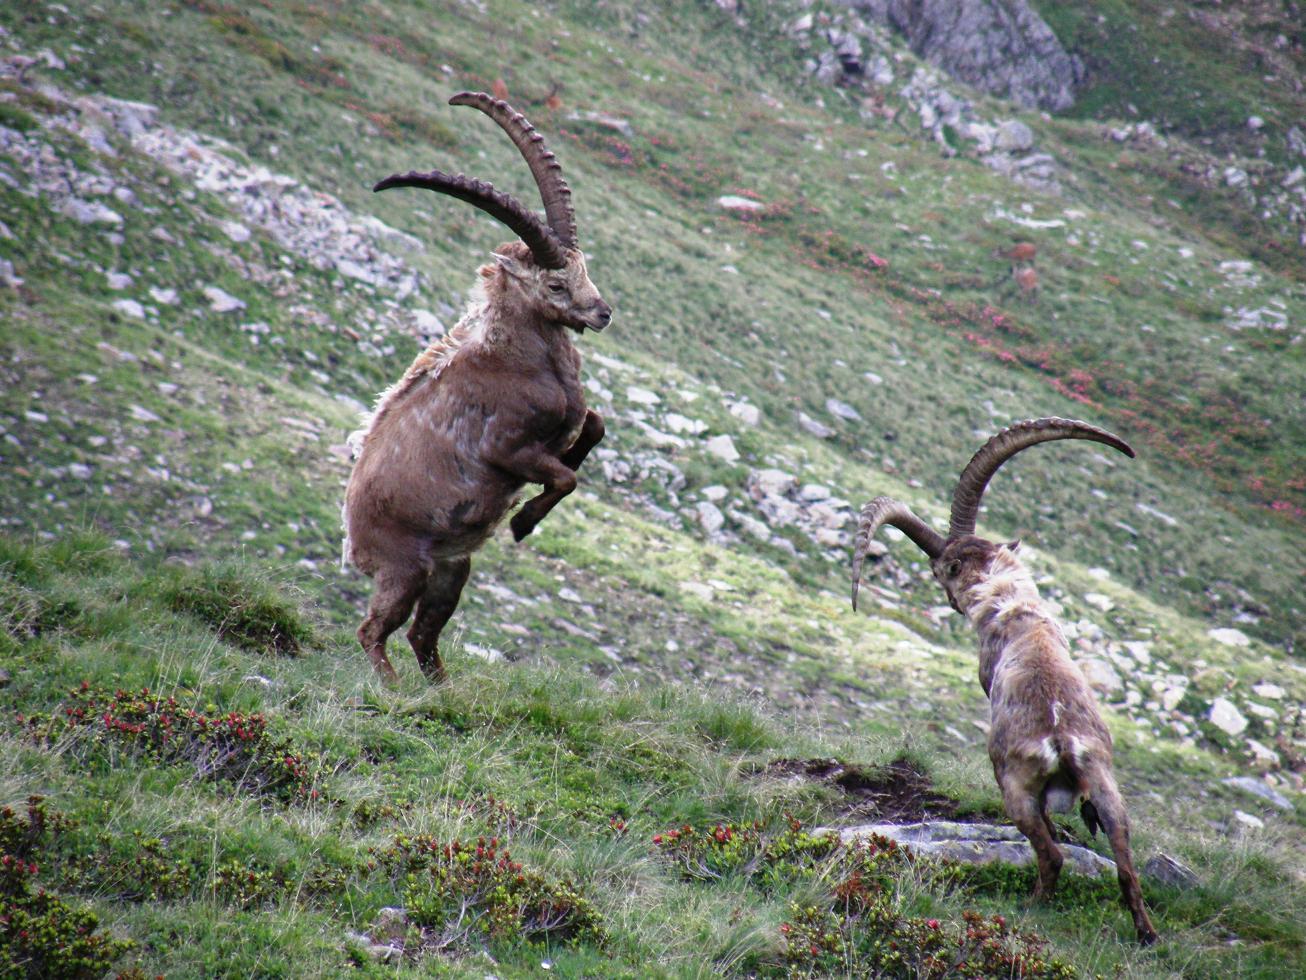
546,270
962,559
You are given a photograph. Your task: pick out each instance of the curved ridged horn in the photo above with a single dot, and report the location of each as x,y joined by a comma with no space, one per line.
1011,440
544,245
886,510
544,165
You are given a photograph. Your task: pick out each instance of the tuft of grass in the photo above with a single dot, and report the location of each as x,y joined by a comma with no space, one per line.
241,608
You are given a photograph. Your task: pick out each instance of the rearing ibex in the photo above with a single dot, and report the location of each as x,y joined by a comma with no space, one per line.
495,404
1047,741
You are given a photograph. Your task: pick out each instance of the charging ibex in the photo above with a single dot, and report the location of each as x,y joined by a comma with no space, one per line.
1047,741
494,405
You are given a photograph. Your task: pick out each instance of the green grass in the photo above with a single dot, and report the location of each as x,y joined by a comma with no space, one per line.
648,671
574,778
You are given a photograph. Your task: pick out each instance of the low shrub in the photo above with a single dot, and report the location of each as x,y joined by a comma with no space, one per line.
235,748
458,894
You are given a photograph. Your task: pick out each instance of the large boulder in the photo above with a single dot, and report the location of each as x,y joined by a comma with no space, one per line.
1000,46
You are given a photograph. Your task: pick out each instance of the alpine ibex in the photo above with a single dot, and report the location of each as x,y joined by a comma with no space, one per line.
1047,741
495,404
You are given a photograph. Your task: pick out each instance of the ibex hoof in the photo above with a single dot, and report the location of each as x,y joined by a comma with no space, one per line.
520,528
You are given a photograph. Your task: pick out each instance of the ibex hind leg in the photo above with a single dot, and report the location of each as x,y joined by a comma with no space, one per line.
397,588
1025,809
1109,811
444,588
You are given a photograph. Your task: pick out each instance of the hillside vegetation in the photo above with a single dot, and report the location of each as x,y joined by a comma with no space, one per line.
199,295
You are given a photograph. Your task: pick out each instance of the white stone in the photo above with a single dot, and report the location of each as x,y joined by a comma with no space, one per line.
818,429
1230,637
710,516
1099,601
1140,650
680,423
814,491
699,589
117,280
1265,689
732,202
1014,136
1171,696
715,493
842,410
427,323
1263,754
1247,820
89,212
746,413
221,301
1100,675
165,296
1225,716
1250,784
772,483
142,414
235,231
723,448
129,307
642,396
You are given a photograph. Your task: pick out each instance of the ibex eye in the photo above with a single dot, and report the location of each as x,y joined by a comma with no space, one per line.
556,287
954,569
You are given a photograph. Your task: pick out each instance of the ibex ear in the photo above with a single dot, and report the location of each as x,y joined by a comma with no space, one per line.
1013,546
510,265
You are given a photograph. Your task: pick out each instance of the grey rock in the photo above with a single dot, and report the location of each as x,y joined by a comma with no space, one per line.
1225,716
710,516
221,301
771,483
391,924
1168,871
1101,676
1296,141
8,277
723,448
1014,136
88,212
842,410
1257,788
812,426
973,844
1000,46
604,121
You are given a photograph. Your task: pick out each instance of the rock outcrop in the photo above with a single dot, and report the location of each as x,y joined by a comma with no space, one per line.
1002,47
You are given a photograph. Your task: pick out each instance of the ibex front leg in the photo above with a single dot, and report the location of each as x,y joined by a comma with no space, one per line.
591,434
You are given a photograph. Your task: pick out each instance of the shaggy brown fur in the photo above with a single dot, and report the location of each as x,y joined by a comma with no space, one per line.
493,406
1047,741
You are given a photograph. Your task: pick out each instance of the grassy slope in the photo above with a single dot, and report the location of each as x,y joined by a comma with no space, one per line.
779,623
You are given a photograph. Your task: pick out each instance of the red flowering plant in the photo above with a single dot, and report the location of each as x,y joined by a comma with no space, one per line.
877,940
461,893
753,850
235,747
40,934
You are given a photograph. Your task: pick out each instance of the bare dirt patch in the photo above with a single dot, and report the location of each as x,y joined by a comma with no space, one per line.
900,792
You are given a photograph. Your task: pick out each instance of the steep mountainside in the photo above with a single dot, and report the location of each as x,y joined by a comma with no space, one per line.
807,232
